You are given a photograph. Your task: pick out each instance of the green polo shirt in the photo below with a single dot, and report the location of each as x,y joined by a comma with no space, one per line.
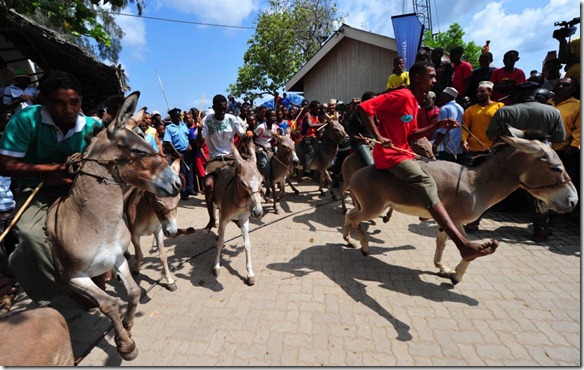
32,135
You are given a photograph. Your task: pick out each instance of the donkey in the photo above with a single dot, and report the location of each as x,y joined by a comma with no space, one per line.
38,337
148,214
282,164
237,196
86,229
465,192
325,152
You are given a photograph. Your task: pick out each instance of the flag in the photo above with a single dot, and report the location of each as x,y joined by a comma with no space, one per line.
408,32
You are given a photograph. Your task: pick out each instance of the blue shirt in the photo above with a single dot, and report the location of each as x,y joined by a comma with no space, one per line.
6,198
452,140
178,135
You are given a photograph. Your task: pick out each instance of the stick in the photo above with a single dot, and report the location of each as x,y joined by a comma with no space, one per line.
21,211
321,127
395,148
163,92
476,138
201,107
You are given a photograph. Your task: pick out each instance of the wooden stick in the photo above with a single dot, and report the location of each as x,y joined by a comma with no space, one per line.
476,138
21,211
321,127
394,147
201,107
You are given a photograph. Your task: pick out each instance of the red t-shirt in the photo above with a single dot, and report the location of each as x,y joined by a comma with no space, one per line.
397,112
461,74
517,76
427,117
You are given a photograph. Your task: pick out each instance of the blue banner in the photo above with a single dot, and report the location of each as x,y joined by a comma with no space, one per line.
408,32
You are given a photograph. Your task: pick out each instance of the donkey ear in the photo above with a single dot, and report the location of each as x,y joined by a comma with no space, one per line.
176,165
236,155
515,132
527,146
135,119
126,110
251,149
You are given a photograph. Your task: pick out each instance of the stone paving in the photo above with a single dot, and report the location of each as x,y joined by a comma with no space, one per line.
318,302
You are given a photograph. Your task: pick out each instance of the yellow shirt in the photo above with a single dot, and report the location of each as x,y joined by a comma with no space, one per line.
396,80
477,118
570,112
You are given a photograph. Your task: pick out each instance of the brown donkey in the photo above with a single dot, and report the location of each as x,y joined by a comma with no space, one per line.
86,228
148,214
325,152
237,196
466,192
282,164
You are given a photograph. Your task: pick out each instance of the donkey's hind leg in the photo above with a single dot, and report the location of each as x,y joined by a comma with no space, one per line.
171,284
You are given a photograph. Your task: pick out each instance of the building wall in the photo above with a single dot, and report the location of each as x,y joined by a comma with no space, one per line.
348,70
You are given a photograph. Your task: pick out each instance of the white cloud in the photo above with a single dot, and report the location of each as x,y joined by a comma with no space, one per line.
135,38
228,12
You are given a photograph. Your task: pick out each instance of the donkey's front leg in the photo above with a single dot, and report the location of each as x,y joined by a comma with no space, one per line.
247,244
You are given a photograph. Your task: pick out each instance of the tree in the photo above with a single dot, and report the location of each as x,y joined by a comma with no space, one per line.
451,38
287,35
86,23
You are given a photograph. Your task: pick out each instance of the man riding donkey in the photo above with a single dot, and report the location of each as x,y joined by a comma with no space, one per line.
397,112
219,129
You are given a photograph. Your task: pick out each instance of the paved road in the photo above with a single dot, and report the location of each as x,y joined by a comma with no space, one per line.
318,302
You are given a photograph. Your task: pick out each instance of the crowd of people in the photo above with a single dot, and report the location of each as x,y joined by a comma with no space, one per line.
441,109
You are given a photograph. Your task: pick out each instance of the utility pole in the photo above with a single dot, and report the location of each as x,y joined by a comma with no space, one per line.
424,13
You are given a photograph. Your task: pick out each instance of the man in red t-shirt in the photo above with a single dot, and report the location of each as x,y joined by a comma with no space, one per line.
505,78
397,113
461,76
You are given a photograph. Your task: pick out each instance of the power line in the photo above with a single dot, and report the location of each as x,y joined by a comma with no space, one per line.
207,24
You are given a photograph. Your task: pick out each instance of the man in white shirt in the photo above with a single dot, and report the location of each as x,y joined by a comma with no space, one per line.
21,93
219,130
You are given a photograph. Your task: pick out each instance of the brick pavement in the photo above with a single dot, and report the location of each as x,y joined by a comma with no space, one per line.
318,302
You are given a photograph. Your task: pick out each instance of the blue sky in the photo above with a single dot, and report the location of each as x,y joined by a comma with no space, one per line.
195,61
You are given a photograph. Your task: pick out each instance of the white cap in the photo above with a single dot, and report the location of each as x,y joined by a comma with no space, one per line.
155,112
451,91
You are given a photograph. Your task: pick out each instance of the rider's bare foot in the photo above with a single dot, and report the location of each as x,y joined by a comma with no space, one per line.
473,250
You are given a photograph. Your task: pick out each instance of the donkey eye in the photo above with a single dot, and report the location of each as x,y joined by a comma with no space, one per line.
138,151
557,169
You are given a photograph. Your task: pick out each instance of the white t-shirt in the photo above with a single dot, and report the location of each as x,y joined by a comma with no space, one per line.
219,134
264,135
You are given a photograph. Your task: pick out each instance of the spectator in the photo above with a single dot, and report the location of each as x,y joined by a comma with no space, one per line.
177,137
357,131
448,142
483,73
476,120
569,107
443,70
428,113
21,93
399,76
462,73
551,73
310,124
505,78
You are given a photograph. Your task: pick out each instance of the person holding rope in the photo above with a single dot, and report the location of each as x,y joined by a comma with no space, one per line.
397,113
34,149
219,131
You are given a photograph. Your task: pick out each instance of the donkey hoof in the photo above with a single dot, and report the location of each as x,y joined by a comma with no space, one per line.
171,287
190,230
454,280
216,272
364,252
129,356
250,280
296,192
128,352
334,197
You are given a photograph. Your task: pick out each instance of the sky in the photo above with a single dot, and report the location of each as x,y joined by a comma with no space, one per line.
187,64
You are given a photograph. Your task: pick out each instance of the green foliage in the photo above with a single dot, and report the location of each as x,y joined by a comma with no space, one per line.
86,23
287,35
451,38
